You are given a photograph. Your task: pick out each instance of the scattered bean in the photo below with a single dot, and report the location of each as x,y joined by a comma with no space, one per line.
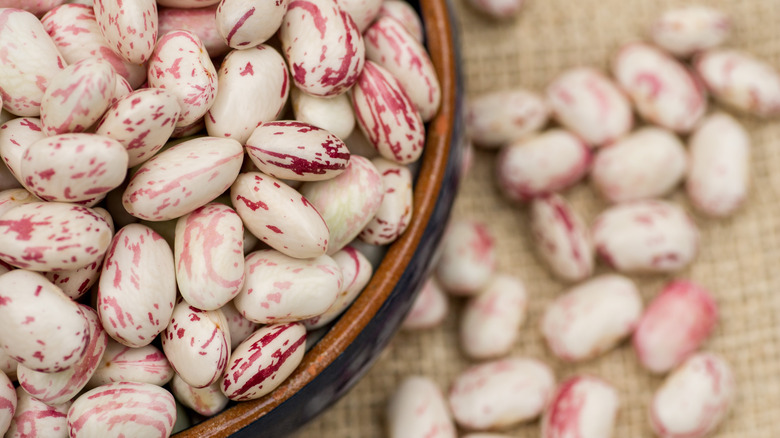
417,409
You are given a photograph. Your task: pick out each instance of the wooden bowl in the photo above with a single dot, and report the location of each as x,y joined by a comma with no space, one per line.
332,366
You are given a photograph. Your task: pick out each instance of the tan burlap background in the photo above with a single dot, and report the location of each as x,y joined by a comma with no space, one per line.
739,258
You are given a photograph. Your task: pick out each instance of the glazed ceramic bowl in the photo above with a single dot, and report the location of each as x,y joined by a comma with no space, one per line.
335,363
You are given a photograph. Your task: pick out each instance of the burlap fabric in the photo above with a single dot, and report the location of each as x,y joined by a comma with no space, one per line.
739,259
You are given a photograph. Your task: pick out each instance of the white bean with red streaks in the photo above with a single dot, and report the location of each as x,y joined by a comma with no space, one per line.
279,215
206,401
264,360
592,317
326,62
719,168
664,91
180,179
73,167
130,28
37,7
60,387
468,257
197,344
42,328
645,236
76,282
137,286
356,271
391,46
562,238
491,320
741,81
142,122
240,327
496,118
48,236
333,114
279,288
187,4
15,136
363,12
181,65
75,32
199,21
121,89
429,309
694,399
589,104
247,23
123,409
121,363
417,409
35,418
13,198
395,213
675,324
501,393
347,202
24,78
405,14
253,88
7,402
686,30
584,407
209,256
387,116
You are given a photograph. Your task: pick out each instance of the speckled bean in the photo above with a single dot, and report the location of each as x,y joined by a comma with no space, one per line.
35,418
264,360
592,318
240,327
7,402
121,363
686,30
405,14
395,212
37,7
662,89
417,409
333,114
646,236
496,118
674,325
13,198
246,23
200,21
130,28
719,168
15,136
429,309
362,12
76,282
562,239
468,257
206,401
582,407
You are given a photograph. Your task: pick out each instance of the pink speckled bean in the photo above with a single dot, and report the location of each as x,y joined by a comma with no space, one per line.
206,401
187,4
588,103
694,399
541,165
582,407
123,409
497,118
417,409
181,65
183,178
34,418
356,271
42,328
387,116
333,114
121,363
501,393
15,136
279,288
209,256
562,239
246,23
200,21
142,122
12,198
363,12
592,317
76,282
255,80
240,327
719,168
648,163
197,344
405,14
674,325
37,7
491,321
24,78
264,360
326,62
60,387
686,30
391,46
75,32
498,9
394,214
347,202
49,236
663,90
7,402
741,81
137,286
279,215
130,28
468,257
429,309
297,151
73,167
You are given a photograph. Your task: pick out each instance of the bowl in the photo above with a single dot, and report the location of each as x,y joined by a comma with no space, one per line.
344,354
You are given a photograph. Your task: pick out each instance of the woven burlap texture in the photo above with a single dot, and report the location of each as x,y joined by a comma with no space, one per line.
739,259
